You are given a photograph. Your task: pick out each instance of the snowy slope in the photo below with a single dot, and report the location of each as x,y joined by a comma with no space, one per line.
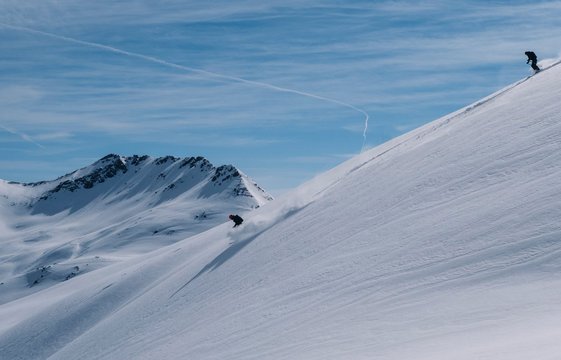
444,243
111,210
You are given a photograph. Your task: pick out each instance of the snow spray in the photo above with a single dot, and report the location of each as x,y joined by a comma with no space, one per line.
198,71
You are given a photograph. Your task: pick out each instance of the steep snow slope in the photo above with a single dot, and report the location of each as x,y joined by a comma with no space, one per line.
111,210
441,244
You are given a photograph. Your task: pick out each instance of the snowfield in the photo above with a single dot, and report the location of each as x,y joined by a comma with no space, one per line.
444,243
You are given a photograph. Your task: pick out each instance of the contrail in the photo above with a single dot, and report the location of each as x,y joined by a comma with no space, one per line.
195,70
364,132
21,135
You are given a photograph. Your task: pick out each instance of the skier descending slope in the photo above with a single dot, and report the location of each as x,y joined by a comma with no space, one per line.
236,219
534,59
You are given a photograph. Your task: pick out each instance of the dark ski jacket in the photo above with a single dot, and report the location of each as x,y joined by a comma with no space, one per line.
531,56
236,219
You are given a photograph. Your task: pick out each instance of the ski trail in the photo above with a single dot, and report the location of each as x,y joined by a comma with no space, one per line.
198,71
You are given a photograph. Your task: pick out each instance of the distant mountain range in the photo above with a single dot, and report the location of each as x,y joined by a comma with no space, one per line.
118,178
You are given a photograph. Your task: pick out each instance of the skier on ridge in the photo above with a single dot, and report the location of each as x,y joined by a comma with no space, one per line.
534,59
236,219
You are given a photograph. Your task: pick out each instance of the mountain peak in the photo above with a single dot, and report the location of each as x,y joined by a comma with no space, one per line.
161,179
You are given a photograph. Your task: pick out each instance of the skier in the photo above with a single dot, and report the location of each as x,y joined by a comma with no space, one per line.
534,59
236,219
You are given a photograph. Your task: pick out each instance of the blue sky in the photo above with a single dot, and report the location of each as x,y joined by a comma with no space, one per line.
284,83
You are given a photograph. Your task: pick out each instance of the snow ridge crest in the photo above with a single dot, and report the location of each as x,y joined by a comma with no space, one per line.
115,177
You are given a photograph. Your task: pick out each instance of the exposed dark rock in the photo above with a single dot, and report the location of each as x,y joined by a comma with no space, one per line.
223,173
136,160
97,176
169,187
165,159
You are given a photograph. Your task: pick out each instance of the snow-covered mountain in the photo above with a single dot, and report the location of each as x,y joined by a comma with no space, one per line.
444,243
113,209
